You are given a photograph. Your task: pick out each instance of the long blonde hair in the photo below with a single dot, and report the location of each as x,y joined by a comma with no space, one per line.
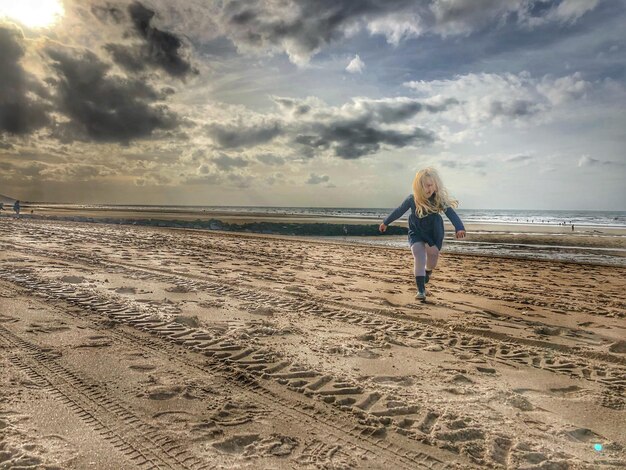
441,201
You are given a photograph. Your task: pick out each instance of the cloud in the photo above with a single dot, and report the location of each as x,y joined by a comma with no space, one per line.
101,106
317,179
238,135
295,107
224,162
159,49
563,89
354,138
108,12
565,11
302,28
24,105
271,160
463,164
362,127
495,98
587,161
518,158
204,174
356,65
454,17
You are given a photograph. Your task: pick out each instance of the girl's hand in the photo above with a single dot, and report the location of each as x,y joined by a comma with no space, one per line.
382,228
460,234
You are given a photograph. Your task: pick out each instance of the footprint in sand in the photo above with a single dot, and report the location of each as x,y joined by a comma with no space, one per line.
142,367
237,443
618,347
164,392
521,403
252,445
73,279
584,435
566,390
274,445
391,380
126,290
547,331
96,342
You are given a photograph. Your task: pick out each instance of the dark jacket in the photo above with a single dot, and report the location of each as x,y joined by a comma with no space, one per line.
428,229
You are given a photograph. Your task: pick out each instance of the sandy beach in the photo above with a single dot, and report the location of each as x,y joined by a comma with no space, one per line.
126,346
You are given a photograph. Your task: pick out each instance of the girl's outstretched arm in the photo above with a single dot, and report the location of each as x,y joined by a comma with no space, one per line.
397,213
459,228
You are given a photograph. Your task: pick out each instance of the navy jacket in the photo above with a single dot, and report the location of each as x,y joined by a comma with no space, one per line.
428,229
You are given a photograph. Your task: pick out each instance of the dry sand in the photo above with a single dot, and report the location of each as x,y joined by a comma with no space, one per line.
138,347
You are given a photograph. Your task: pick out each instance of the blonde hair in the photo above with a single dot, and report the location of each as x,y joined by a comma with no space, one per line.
441,201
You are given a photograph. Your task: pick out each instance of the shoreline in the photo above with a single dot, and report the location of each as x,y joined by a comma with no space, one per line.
171,214
249,218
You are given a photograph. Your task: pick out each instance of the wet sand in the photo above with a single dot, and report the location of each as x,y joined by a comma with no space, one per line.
125,346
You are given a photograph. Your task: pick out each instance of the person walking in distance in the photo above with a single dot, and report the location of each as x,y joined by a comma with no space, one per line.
16,208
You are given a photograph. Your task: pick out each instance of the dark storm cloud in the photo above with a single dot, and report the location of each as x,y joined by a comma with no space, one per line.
22,106
158,49
362,127
233,136
351,139
104,107
162,48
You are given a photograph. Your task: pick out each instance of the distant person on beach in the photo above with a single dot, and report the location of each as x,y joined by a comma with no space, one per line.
16,208
426,231
572,227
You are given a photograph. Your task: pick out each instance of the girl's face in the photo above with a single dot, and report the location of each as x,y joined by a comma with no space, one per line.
429,186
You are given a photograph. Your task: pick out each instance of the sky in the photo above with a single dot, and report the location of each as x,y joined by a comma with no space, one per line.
519,104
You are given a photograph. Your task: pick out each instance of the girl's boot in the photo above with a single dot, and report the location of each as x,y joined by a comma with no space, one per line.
427,277
421,287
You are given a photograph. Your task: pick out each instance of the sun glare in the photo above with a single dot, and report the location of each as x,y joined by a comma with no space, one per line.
32,13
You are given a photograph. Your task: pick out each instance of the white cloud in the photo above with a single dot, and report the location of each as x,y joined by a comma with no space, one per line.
497,98
356,65
571,10
563,89
397,27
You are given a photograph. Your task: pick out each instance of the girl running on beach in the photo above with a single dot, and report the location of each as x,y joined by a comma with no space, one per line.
426,231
